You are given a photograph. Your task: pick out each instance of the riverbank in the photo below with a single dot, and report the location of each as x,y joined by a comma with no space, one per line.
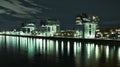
67,38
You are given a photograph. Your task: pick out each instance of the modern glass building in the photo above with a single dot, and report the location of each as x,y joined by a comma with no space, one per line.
89,23
50,26
28,28
89,30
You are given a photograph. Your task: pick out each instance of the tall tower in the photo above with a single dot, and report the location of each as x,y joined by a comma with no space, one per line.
89,23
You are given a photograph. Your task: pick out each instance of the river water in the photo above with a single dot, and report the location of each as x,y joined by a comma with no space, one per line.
23,51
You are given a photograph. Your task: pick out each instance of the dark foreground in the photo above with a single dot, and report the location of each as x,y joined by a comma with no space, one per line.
26,51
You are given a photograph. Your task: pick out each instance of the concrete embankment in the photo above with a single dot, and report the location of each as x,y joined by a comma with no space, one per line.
68,38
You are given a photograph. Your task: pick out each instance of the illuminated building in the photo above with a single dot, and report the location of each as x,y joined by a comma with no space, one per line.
67,33
118,32
49,27
89,23
28,27
78,20
98,33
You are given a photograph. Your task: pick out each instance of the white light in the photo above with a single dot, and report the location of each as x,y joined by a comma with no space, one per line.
97,52
62,47
88,50
48,46
51,46
119,54
75,48
31,48
107,52
57,48
44,46
78,48
68,47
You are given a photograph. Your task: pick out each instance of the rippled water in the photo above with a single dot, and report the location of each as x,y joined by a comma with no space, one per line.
22,51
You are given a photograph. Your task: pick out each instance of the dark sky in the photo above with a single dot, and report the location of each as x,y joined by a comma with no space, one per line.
66,10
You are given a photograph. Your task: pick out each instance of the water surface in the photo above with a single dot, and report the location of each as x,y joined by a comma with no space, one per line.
23,51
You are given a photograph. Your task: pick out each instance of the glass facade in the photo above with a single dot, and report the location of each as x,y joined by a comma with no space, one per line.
52,26
89,23
89,30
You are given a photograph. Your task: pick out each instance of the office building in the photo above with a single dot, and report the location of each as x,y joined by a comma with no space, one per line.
28,28
89,23
49,27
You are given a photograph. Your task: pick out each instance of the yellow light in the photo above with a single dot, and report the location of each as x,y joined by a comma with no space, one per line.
97,29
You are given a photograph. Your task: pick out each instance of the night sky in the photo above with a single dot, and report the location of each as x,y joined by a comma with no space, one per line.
64,10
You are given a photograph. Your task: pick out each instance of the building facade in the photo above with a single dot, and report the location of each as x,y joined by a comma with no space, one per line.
89,23
28,28
49,27
89,30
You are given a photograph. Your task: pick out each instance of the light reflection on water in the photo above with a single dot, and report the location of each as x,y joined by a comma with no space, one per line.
83,54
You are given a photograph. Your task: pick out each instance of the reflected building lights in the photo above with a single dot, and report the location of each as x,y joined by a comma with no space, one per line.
68,48
77,53
101,48
4,39
23,43
88,50
107,52
13,40
97,53
45,46
119,54
48,46
51,45
114,48
1,38
44,43
57,48
7,42
62,48
41,46
37,44
17,41
10,43
92,47
0,41
75,48
79,47
26,42
31,48
111,53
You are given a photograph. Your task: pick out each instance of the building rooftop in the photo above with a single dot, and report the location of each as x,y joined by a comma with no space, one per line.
49,22
83,18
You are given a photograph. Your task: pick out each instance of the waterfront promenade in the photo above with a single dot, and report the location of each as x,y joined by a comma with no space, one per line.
101,40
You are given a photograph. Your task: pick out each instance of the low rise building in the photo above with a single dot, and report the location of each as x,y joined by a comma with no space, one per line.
28,28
